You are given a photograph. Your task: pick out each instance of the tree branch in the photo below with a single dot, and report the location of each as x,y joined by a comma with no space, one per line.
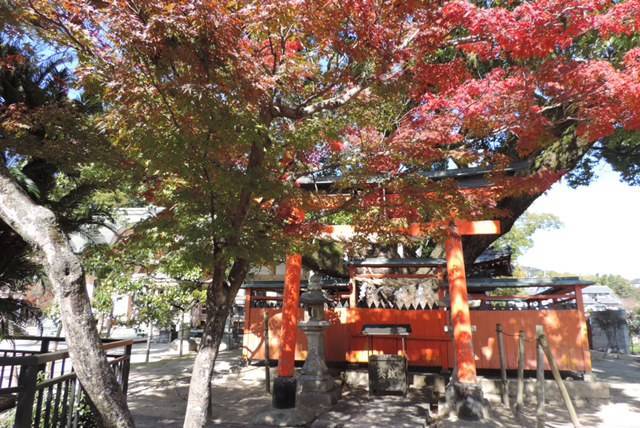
301,111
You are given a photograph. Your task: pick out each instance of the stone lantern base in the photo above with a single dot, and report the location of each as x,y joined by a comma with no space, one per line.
317,390
320,393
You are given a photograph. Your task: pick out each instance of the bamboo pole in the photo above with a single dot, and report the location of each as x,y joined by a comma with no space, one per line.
540,378
503,366
558,379
520,391
267,373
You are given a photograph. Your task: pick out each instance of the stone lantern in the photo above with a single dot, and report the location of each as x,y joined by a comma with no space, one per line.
317,390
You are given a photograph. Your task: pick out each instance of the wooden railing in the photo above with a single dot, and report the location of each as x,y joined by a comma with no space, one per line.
47,391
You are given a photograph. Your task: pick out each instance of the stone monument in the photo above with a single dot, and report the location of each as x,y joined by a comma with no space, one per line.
317,390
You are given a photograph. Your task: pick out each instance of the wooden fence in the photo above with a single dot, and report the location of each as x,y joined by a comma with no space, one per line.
43,386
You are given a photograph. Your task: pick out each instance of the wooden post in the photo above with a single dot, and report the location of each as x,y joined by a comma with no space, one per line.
503,366
267,368
181,332
44,346
460,316
539,377
290,307
24,406
126,368
520,392
558,379
246,354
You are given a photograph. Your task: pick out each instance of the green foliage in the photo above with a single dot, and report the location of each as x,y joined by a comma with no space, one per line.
633,321
159,292
619,285
623,153
520,238
53,150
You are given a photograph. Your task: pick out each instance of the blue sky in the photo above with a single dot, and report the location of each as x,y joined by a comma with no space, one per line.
601,231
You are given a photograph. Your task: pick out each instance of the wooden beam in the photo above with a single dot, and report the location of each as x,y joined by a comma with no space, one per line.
483,227
417,230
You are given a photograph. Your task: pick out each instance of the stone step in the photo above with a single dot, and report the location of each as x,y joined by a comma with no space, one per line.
359,378
578,389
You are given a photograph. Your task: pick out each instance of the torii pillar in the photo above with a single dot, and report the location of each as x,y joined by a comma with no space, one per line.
284,386
465,394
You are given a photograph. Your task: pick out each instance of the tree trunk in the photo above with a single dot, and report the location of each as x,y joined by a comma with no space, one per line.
197,412
37,225
220,297
109,322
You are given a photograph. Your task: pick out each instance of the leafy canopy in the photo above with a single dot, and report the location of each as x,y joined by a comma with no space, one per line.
224,104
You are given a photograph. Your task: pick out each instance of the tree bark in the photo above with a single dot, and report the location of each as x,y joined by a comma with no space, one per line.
37,225
200,386
220,298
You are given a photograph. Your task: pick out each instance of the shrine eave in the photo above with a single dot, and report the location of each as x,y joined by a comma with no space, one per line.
551,284
467,178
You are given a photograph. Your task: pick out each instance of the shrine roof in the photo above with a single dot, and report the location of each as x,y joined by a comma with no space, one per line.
551,284
276,285
487,258
474,177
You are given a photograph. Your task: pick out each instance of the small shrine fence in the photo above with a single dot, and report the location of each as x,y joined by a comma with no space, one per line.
558,308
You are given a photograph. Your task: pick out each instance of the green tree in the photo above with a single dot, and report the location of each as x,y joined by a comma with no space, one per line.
161,291
45,193
619,285
633,322
520,238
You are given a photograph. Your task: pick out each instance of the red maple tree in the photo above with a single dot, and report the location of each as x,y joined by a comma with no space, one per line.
226,104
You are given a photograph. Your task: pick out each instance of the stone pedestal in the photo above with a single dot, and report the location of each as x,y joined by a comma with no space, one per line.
467,401
283,395
317,390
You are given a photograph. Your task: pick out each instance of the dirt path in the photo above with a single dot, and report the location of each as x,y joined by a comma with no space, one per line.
158,391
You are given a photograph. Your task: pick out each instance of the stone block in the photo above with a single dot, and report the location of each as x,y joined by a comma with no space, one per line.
577,389
387,373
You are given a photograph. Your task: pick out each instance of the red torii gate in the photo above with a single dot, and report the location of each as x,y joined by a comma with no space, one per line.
284,385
